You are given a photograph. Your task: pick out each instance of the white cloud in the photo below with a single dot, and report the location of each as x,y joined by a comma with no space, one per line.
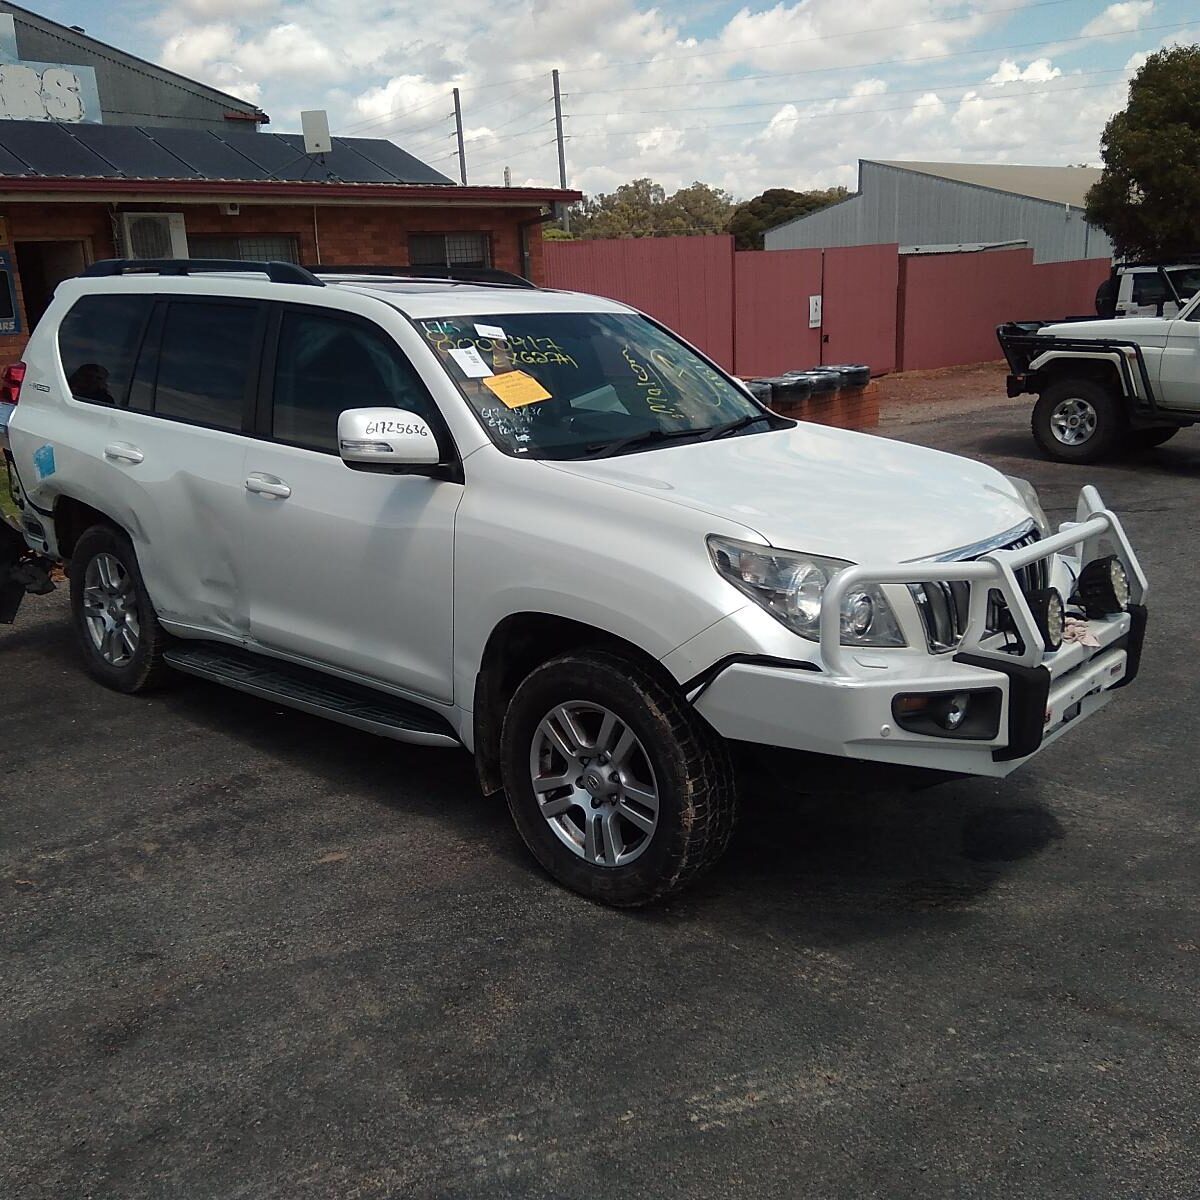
779,94
1126,17
1038,71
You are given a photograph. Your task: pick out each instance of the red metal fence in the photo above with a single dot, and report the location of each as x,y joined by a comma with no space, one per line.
749,310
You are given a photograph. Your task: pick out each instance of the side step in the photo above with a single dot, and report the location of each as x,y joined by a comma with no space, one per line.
312,692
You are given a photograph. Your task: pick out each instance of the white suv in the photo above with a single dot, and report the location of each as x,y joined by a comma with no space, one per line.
540,526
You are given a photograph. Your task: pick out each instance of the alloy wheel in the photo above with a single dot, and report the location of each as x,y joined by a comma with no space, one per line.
110,610
1073,421
594,784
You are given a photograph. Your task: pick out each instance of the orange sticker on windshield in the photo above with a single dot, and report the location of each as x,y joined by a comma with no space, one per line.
514,389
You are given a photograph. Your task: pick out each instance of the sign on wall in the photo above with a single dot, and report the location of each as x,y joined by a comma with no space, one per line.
32,91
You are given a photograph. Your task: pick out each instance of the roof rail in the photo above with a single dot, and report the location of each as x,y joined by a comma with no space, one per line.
443,274
276,272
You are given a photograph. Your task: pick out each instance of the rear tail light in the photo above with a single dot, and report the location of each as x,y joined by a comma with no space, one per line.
10,382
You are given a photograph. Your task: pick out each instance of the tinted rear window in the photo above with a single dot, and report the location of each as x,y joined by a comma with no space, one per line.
98,342
208,354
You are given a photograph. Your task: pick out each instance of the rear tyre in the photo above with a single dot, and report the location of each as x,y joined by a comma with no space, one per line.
1078,421
617,787
119,635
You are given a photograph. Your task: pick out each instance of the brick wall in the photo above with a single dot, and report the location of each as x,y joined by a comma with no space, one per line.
346,234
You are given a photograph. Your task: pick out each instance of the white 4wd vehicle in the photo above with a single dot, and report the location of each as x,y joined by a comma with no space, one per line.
540,526
1106,386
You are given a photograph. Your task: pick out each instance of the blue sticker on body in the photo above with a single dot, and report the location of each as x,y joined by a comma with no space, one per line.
43,462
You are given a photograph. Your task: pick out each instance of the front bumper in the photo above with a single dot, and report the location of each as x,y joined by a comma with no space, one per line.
845,707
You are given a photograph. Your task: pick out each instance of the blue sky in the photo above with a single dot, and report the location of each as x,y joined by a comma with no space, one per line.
743,96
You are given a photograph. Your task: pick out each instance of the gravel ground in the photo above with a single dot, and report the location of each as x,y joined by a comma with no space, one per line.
251,954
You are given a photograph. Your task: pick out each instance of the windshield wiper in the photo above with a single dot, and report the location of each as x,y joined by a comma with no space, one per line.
720,431
647,437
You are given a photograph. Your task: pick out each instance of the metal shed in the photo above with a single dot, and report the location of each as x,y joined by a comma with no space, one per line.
919,203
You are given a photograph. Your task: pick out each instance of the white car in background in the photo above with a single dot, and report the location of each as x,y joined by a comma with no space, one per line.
539,526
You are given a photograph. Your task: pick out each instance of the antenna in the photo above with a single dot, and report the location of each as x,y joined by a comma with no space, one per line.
314,125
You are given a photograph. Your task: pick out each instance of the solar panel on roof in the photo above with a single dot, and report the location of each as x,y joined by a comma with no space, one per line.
267,150
149,152
209,153
133,152
340,164
50,150
397,161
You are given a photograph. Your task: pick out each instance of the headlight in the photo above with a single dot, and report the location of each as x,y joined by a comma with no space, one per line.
1028,493
790,586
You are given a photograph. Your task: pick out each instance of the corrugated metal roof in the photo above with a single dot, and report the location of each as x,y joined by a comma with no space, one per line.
50,150
1060,185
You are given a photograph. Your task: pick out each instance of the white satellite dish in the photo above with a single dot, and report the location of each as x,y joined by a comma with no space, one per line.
314,124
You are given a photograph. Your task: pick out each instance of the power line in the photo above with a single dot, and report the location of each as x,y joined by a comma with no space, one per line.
929,87
391,113
887,62
857,112
668,58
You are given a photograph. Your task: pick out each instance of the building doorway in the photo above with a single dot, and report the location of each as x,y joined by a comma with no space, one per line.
41,267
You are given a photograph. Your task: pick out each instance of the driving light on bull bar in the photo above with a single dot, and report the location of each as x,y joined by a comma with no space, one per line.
1103,587
1049,615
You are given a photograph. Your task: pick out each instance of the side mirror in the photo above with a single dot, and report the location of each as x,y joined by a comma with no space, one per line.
387,440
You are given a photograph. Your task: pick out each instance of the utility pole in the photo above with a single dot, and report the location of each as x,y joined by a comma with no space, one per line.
562,150
462,150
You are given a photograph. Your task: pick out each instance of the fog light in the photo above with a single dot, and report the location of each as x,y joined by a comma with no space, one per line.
953,711
1049,615
1103,587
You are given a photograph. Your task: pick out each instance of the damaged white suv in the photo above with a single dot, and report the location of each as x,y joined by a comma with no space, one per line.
539,526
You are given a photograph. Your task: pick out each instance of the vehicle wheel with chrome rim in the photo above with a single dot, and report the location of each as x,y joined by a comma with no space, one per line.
1078,420
118,632
618,788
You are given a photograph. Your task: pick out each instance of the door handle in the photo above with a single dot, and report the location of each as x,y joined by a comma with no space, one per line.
123,452
267,485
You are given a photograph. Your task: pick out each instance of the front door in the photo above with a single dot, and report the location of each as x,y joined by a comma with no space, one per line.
1179,373
345,568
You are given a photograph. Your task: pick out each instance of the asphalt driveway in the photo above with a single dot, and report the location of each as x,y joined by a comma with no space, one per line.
247,953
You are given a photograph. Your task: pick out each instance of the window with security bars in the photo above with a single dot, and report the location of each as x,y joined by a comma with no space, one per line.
267,248
450,250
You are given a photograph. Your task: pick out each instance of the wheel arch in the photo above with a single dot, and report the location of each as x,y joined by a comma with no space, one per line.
1054,369
73,518
519,643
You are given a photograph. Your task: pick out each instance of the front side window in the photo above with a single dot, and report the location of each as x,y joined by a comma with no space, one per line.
325,364
1149,289
98,342
1186,282
207,361
573,385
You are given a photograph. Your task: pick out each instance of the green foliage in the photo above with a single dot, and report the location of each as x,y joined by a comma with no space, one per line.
642,208
776,206
1148,198
552,233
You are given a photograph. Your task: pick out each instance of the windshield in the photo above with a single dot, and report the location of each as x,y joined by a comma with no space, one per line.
1186,282
572,385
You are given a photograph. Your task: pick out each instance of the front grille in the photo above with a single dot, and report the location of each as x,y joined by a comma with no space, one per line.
945,607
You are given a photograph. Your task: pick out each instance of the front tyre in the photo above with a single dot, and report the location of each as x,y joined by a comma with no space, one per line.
118,633
1078,421
615,784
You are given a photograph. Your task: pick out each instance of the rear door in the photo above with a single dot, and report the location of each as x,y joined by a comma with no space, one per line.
346,568
175,452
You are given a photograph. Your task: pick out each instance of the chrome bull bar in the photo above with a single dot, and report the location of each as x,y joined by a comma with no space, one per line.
992,571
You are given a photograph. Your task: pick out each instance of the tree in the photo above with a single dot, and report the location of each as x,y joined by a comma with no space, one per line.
775,206
1148,197
642,208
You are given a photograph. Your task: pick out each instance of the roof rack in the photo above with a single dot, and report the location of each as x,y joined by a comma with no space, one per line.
491,276
276,272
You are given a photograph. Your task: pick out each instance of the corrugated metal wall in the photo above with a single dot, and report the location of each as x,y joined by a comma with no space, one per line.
913,209
749,310
950,304
132,92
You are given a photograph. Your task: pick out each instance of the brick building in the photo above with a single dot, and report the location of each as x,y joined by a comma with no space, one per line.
196,176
